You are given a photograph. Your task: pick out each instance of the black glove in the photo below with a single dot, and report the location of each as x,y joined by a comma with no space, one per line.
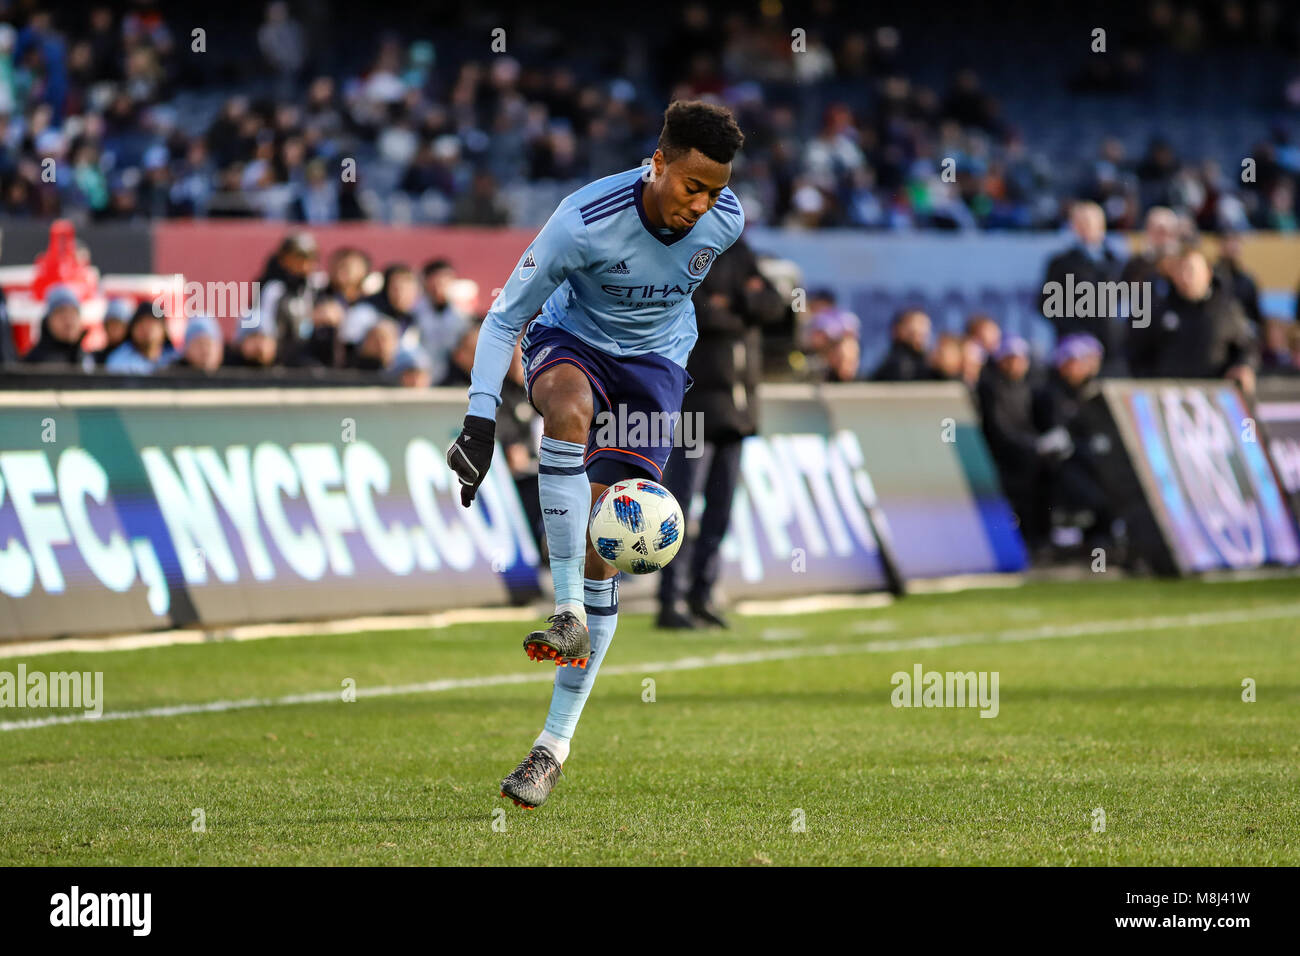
470,455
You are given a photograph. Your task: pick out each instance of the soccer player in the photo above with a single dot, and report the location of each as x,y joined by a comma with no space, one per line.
605,289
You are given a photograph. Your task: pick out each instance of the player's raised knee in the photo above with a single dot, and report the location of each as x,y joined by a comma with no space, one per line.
563,396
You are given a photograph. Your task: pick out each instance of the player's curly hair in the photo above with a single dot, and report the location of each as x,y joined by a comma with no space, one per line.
693,124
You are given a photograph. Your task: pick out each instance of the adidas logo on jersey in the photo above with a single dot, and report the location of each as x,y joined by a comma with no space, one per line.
621,269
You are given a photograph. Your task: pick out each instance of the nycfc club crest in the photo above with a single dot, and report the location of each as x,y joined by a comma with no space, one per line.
527,267
700,261
537,359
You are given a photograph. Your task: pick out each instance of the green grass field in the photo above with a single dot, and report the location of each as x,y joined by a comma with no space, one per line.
1119,695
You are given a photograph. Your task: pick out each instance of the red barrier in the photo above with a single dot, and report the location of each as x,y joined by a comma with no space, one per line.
225,251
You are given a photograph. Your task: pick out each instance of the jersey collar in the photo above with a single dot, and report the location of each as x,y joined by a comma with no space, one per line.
649,226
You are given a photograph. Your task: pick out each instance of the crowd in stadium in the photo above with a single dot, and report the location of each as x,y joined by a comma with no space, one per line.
400,325
839,131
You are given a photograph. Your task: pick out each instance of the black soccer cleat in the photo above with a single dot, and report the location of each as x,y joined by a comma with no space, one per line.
706,612
566,641
671,619
532,781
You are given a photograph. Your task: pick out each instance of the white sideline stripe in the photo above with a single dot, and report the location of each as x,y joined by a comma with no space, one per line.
811,604
721,659
254,632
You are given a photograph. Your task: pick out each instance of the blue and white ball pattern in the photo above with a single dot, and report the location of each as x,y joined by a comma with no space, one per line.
636,525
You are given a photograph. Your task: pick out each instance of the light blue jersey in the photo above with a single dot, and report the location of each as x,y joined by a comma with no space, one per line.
600,271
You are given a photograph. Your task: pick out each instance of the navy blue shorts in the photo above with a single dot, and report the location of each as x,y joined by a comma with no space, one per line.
640,397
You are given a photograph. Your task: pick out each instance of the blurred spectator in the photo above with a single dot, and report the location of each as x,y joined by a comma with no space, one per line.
440,322
285,294
1161,239
830,335
1293,342
1275,353
379,347
1197,331
61,331
396,301
1068,443
1281,214
203,350
411,369
145,349
1007,405
947,359
348,269
1237,280
906,360
973,362
461,361
116,318
827,323
1088,261
843,359
515,419
283,46
8,347
255,348
323,348
316,198
985,332
983,338
732,304
481,206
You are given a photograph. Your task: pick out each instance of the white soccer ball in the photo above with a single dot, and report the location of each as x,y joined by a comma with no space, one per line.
636,525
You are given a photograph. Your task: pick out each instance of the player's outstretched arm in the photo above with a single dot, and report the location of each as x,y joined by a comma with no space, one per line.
559,249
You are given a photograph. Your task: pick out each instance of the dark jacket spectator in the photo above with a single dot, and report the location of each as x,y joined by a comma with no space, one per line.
1088,262
461,360
285,295
348,269
8,349
1070,423
378,349
117,319
61,332
1240,282
323,348
1276,356
396,301
731,307
1162,234
908,358
255,348
1198,331
1006,401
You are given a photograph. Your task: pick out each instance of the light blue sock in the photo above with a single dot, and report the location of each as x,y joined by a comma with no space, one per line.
566,503
573,684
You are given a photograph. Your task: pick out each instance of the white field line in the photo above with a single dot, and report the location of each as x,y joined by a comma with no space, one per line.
255,632
721,659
